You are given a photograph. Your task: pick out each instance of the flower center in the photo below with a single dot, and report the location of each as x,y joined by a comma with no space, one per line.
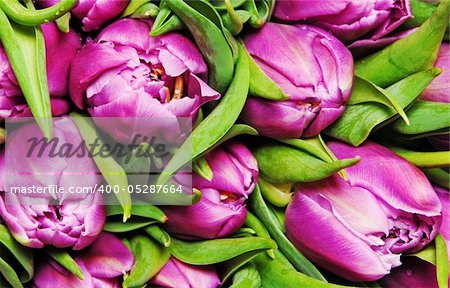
171,93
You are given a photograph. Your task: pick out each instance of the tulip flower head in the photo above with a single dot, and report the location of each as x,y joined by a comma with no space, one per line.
313,69
61,48
102,264
127,73
221,209
93,13
33,218
386,207
355,22
181,275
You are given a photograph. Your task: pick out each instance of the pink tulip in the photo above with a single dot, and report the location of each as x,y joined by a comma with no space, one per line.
386,207
102,264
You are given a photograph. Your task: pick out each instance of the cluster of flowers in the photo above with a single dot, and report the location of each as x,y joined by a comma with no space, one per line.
365,224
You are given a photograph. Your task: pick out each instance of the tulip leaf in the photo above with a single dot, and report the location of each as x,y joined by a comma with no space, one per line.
231,266
358,121
110,169
148,10
165,21
23,255
366,91
279,195
280,163
422,12
419,115
159,235
141,209
149,258
25,48
427,254
261,11
63,258
442,269
30,17
217,250
220,5
437,159
236,130
63,23
135,223
300,262
137,164
278,272
216,125
409,55
231,19
132,6
202,168
246,277
209,38
262,85
253,222
438,176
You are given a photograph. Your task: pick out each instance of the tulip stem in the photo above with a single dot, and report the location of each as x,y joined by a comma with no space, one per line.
272,224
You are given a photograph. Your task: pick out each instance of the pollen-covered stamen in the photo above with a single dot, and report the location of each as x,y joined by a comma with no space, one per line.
178,87
167,94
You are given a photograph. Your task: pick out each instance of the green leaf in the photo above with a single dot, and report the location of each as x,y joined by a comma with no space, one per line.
63,258
236,130
217,250
25,48
438,159
409,55
300,262
280,163
442,270
422,12
230,267
159,235
110,169
262,85
233,22
261,11
148,10
198,16
220,5
419,116
253,222
278,272
63,23
139,209
165,21
23,255
366,91
427,254
438,176
246,277
137,164
149,258
216,124
201,167
135,223
279,195
133,5
358,121
30,17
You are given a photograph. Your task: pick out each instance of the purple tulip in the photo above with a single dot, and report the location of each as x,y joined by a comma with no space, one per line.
221,210
127,73
444,196
355,22
61,48
32,218
315,70
385,208
178,274
102,264
439,89
93,13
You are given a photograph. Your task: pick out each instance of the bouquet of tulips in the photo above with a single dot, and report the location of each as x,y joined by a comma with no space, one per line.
224,143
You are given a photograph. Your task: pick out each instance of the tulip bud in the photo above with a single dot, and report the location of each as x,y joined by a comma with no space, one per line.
315,71
385,208
178,274
102,264
32,218
127,73
60,50
93,13
221,209
357,23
